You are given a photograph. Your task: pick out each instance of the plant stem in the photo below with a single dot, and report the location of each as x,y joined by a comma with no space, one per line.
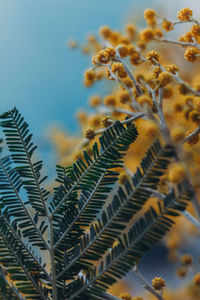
192,219
52,258
147,285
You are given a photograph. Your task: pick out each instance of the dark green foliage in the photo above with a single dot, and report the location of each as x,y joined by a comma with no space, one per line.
76,226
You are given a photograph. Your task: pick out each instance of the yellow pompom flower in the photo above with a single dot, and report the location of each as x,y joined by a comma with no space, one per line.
167,25
184,14
105,32
164,78
145,100
177,173
95,101
195,31
191,54
123,50
128,82
177,134
152,56
130,30
172,68
123,177
125,296
119,69
158,283
151,129
150,17
110,100
124,96
146,35
186,259
196,279
181,272
196,102
89,133
106,121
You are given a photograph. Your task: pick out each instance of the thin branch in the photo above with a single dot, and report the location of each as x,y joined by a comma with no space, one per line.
192,219
191,135
186,44
136,84
147,285
52,259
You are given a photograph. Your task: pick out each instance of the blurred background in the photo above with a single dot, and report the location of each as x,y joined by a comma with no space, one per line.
38,73
44,78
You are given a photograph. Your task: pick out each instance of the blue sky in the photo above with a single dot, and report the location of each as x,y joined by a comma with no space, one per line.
38,74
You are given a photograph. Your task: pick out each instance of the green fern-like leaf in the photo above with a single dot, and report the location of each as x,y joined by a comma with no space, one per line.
143,234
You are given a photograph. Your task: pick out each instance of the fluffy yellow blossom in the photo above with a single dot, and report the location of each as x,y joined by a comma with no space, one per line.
95,101
177,172
151,129
196,102
191,54
100,57
181,272
128,82
125,296
108,75
188,37
89,77
158,283
82,117
146,35
119,69
172,68
110,100
124,96
132,49
145,100
110,52
137,298
183,89
89,133
152,56
94,121
186,259
149,13
195,31
158,33
167,92
167,25
123,50
184,14
196,279
106,121
123,177
177,134
164,78
194,116
85,49
156,72
131,30
105,32
72,44
135,58
150,17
